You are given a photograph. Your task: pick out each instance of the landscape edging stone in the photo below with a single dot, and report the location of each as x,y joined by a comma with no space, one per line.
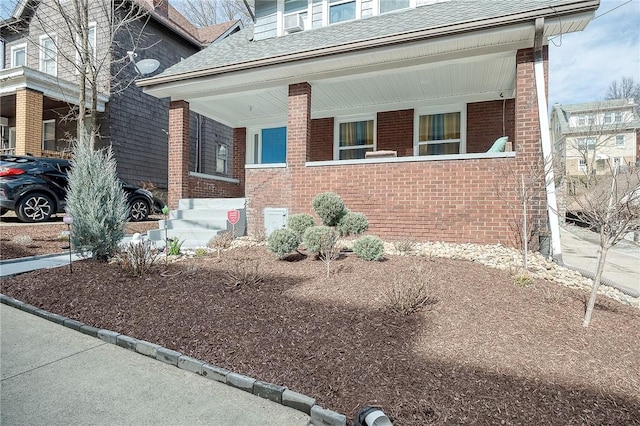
270,391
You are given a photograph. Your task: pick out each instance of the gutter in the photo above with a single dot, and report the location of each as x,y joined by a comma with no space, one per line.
419,35
547,152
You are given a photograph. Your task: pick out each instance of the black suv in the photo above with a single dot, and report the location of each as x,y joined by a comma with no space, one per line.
36,188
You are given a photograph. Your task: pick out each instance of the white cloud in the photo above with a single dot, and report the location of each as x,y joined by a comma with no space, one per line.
581,65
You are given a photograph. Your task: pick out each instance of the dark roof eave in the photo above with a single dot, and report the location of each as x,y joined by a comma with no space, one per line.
581,6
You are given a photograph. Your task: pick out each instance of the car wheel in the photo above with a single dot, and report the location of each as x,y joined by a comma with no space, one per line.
3,211
36,207
139,210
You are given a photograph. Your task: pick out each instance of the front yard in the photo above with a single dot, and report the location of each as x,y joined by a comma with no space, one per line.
485,352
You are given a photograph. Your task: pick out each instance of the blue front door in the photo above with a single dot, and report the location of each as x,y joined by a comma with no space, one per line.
274,145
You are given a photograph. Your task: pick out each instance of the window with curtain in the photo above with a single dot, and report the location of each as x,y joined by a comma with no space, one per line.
355,138
221,159
439,134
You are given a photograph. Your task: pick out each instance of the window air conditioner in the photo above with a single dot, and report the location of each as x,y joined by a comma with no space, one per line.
293,23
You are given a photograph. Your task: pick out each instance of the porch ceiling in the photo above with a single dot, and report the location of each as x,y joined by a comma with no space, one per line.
469,67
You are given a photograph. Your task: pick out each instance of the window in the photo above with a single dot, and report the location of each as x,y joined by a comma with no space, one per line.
617,161
582,165
588,143
607,118
295,5
617,117
221,159
619,140
439,134
48,56
293,10
354,139
49,135
341,10
91,41
19,56
391,5
582,120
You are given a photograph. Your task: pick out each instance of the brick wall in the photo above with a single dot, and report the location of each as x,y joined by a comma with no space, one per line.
178,152
485,121
395,132
321,148
28,122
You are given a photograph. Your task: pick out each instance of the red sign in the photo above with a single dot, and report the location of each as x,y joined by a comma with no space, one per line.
233,216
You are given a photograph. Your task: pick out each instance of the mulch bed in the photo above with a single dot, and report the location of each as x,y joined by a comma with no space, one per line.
486,352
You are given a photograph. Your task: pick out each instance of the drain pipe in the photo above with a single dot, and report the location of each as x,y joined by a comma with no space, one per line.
547,154
372,416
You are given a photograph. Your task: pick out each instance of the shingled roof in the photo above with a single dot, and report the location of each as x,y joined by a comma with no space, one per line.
466,14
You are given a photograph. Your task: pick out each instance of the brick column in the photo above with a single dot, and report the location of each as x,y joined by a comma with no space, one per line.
239,156
528,145
299,124
28,122
178,152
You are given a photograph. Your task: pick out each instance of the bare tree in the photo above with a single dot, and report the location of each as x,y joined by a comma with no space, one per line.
625,88
609,204
85,51
210,12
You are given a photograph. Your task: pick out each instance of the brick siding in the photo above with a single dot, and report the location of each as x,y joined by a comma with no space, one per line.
484,123
28,122
321,145
395,132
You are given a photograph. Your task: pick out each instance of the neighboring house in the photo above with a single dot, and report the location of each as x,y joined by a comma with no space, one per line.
392,104
595,137
38,88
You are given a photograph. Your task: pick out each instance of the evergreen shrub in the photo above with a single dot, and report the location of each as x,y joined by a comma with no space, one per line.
299,223
352,224
368,247
329,207
281,242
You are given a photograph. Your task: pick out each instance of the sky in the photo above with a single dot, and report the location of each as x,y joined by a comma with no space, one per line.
582,64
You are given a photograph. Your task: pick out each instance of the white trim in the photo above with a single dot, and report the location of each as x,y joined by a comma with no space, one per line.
376,7
441,109
480,156
12,60
252,132
352,119
213,177
44,123
326,7
266,166
42,53
308,22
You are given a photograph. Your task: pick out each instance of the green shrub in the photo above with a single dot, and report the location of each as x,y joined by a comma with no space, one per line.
352,224
329,207
319,239
299,223
137,258
174,246
96,201
282,242
368,247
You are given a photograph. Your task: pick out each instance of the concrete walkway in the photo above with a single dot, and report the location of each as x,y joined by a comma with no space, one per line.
52,375
580,249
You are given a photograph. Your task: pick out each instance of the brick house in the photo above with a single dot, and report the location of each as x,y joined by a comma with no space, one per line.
593,137
39,87
392,104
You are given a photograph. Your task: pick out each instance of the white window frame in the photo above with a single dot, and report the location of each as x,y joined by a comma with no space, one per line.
378,7
582,120
92,26
620,145
2,59
326,11
308,21
608,118
43,59
352,119
15,49
222,154
462,109
254,143
582,165
586,143
44,126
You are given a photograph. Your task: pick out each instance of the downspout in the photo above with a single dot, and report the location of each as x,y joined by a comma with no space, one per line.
552,204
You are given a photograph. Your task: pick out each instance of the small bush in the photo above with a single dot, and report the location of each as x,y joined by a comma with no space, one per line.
174,246
554,296
523,279
368,247
201,252
317,238
137,258
352,224
410,291
244,272
299,223
405,246
220,242
281,242
329,207
259,235
23,240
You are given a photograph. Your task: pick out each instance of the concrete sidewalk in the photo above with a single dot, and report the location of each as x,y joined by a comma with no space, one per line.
52,375
580,249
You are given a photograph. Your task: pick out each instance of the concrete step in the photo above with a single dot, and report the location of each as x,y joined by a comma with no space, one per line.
211,204
209,223
192,238
201,214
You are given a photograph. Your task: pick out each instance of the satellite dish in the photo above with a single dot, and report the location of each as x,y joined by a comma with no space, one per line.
147,66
